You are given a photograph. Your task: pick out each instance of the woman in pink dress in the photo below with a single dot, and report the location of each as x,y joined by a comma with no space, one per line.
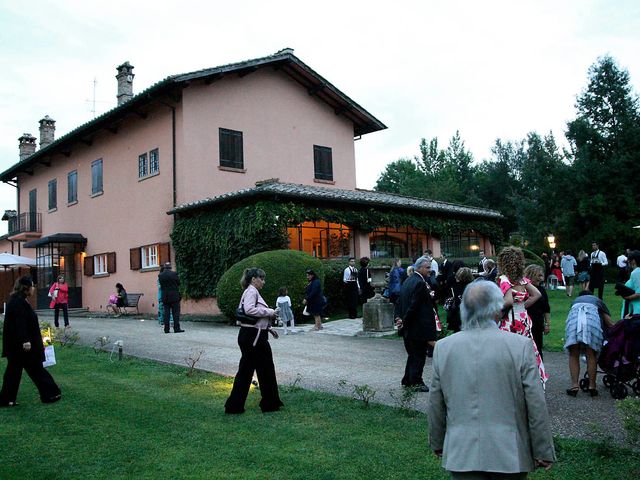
519,294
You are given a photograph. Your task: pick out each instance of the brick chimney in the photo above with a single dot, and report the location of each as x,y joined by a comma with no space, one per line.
47,131
125,82
27,145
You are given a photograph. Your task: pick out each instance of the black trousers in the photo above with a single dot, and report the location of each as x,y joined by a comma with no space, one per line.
65,313
537,331
416,358
257,359
31,364
170,309
351,298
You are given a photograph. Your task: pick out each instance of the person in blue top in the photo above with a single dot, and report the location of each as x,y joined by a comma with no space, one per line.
314,299
396,277
633,301
568,265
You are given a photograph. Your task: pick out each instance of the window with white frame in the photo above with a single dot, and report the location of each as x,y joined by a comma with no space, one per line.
148,163
149,256
142,165
154,161
100,264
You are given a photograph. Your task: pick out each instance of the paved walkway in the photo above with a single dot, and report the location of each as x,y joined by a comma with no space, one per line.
321,360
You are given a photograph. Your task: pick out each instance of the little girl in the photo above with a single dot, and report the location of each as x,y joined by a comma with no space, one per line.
283,302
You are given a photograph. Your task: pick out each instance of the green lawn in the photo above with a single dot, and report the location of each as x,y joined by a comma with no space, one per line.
140,419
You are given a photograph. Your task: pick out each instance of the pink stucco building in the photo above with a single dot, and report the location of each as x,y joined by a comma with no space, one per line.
94,202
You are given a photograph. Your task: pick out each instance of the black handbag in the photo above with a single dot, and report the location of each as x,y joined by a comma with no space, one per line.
242,317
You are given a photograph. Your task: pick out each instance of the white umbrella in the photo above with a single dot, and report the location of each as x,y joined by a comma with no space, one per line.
10,260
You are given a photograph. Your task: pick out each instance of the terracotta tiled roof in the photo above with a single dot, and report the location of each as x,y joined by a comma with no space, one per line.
273,188
285,60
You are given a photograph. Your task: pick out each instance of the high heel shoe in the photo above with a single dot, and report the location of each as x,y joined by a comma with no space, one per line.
593,392
572,392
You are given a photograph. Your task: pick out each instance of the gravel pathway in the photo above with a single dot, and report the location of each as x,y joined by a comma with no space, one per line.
321,360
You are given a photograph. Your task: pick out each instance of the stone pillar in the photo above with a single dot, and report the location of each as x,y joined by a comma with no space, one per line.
377,313
125,82
363,248
27,146
47,131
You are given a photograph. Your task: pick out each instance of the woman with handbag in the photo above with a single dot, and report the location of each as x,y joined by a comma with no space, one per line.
519,294
22,346
254,317
59,294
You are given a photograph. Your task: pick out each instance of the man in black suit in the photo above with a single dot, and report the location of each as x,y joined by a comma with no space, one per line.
416,320
169,285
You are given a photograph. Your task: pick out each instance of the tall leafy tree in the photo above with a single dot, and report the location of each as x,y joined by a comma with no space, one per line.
404,177
605,142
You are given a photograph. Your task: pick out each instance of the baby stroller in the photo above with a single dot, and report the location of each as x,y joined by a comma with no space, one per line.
620,359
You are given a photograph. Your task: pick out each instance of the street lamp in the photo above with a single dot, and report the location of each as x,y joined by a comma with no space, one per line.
551,239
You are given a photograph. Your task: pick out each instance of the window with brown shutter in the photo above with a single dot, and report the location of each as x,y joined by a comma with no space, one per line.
88,266
164,252
135,261
111,262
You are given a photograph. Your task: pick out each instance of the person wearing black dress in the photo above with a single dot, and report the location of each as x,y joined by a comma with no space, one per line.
22,346
540,312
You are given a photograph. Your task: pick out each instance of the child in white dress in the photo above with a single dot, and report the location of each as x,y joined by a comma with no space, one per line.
283,302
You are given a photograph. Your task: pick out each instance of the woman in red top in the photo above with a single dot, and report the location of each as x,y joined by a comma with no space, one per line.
59,293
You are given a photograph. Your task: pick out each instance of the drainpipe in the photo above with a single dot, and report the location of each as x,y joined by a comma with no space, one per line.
173,148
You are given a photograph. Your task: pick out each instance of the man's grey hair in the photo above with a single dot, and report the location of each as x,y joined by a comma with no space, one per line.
421,261
481,302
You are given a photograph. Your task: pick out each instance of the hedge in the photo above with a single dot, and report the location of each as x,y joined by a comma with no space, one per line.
282,268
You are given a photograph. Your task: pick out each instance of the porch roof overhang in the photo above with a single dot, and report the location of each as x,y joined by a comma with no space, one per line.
273,189
75,238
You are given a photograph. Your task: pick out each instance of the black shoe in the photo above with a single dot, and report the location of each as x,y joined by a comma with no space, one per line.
593,392
53,399
421,388
178,331
167,331
573,392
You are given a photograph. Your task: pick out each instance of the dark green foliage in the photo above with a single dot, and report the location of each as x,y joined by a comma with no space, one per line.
283,268
333,286
208,243
605,138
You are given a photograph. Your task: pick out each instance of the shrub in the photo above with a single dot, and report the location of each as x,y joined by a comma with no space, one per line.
282,268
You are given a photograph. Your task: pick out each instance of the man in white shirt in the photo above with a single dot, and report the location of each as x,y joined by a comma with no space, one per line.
483,259
597,261
351,287
622,264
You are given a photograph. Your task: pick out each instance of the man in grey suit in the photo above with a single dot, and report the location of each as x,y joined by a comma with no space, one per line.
488,417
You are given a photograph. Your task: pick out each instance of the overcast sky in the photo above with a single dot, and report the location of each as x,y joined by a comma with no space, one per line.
491,69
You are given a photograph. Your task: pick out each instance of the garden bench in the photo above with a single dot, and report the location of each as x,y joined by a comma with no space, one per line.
132,302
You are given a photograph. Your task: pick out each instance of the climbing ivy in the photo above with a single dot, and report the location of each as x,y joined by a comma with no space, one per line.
207,243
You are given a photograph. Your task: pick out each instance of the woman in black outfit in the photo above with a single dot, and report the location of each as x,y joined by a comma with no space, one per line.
23,348
463,277
253,340
540,312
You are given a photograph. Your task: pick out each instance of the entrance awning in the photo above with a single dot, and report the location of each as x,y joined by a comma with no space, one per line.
76,238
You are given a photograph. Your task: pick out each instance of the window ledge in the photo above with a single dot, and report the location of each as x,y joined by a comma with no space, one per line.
232,169
101,275
150,269
328,182
72,203
140,179
51,210
97,194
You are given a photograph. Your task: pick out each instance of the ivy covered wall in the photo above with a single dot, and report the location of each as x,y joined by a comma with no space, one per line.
207,243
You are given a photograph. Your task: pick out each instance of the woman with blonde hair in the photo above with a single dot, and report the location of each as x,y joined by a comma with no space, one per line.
582,270
519,294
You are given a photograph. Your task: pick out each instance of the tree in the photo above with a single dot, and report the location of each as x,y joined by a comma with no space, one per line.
403,177
605,143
